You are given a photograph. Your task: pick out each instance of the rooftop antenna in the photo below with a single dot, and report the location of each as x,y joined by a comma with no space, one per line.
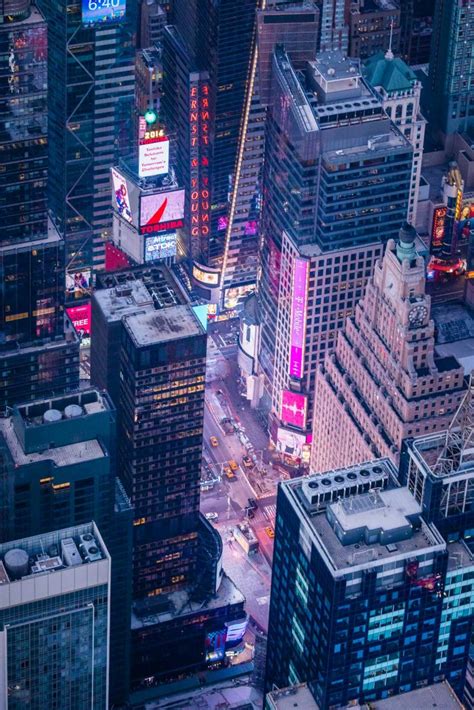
389,53
458,446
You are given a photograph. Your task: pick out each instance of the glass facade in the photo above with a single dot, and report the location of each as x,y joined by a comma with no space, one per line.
388,629
162,403
91,91
57,652
31,293
450,97
23,128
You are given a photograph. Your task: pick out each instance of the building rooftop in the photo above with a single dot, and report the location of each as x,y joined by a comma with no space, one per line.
392,74
180,604
438,695
75,551
296,696
124,292
152,327
60,455
364,529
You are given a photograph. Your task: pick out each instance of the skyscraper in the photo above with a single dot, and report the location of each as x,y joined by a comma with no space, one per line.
57,469
336,184
373,27
90,100
374,600
149,348
24,126
399,91
384,381
54,620
38,352
450,101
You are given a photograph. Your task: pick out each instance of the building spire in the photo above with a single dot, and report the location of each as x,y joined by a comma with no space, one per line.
389,53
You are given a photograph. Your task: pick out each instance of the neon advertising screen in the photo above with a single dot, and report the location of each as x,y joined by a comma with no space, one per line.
299,302
97,12
160,246
122,196
293,408
161,212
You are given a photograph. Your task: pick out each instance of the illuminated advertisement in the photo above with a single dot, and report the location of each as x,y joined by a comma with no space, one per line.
205,277
290,444
437,229
232,296
215,645
78,284
161,212
299,301
153,151
160,246
235,630
81,319
293,408
199,202
122,196
97,12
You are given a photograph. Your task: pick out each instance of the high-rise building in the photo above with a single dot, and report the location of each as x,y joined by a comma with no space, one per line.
38,349
90,101
23,111
399,91
58,468
334,25
149,349
374,25
439,472
336,185
450,101
384,381
416,29
368,600
54,620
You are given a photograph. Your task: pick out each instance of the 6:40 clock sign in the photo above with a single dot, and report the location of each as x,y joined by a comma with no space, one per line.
102,11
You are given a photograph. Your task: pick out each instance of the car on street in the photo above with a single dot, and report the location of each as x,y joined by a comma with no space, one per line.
270,532
233,465
247,461
230,475
211,516
249,513
252,503
214,441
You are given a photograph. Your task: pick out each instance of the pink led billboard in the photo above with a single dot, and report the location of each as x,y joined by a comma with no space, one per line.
299,302
293,408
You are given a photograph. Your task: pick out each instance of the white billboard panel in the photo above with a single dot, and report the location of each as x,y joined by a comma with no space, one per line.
153,155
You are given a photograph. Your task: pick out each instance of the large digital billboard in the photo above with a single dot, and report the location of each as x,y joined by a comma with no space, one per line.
96,12
153,151
293,408
299,302
81,318
78,283
161,212
160,246
122,194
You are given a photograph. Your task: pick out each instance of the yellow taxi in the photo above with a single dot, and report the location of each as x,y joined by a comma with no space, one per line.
270,532
214,441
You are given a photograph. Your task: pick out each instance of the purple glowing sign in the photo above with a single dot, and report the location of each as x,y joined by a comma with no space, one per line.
299,303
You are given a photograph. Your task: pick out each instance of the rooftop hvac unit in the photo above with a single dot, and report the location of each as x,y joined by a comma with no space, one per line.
70,553
89,548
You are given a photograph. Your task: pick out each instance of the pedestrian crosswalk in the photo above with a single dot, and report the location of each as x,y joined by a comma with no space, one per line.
270,512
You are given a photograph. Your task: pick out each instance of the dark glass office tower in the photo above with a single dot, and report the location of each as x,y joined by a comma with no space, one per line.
149,349
450,104
368,600
23,122
416,30
91,88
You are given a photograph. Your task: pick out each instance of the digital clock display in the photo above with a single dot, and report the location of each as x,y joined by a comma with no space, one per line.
96,12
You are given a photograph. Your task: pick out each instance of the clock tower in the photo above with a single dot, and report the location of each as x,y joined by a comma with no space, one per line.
384,381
